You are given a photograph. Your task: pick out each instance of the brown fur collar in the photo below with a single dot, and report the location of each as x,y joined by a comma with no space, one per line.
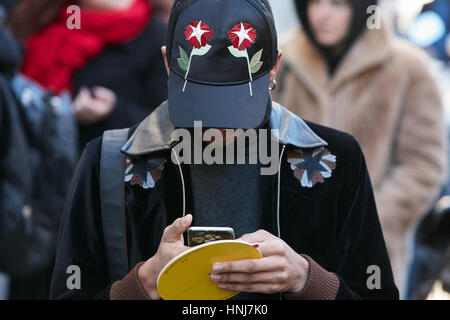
306,62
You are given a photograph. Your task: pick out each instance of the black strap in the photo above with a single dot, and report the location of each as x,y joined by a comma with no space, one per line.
112,171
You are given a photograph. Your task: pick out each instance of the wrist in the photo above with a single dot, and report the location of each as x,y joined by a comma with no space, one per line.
148,275
320,284
303,272
130,287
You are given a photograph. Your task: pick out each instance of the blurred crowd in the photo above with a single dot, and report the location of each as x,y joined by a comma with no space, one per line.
377,70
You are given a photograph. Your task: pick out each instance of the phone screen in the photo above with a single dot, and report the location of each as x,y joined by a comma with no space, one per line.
200,235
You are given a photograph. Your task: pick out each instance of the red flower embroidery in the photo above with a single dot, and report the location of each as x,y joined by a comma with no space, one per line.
198,34
243,35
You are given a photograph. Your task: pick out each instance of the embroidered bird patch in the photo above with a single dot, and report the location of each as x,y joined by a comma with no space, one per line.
311,166
143,171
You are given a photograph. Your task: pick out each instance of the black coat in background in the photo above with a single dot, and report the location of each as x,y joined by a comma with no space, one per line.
135,71
27,242
10,53
15,169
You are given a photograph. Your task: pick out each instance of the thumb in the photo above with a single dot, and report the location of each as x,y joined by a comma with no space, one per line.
104,94
82,97
174,232
84,94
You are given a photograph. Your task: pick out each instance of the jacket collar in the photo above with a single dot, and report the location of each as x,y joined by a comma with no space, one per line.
292,130
154,134
371,49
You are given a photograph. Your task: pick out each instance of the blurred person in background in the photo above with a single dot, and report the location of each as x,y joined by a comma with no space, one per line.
377,87
162,8
441,49
10,50
431,29
25,243
37,158
111,65
14,165
429,276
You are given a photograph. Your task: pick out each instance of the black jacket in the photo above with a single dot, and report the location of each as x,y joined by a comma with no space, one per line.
15,166
334,222
15,181
10,53
136,73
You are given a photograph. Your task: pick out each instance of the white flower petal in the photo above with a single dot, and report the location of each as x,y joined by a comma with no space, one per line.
243,34
325,174
305,181
128,169
329,157
197,32
325,166
150,182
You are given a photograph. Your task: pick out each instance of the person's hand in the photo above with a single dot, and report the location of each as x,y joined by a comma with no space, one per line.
172,244
280,270
89,109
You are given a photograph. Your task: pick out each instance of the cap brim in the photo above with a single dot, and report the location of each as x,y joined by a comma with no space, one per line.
218,106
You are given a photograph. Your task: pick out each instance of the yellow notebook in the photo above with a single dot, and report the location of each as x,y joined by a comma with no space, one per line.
186,277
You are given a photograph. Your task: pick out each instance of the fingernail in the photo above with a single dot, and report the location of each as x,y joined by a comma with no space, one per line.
222,286
256,246
215,277
217,268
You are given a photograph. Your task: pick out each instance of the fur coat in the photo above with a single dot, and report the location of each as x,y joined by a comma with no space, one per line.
383,94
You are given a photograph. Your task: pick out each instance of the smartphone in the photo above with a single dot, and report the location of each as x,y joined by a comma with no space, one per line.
200,235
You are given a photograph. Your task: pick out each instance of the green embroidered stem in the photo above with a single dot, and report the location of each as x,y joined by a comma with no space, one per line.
249,73
188,68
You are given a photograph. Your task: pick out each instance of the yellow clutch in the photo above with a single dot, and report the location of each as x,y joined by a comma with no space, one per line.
186,277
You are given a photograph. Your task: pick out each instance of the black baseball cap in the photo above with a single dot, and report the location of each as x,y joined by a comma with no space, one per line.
220,53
